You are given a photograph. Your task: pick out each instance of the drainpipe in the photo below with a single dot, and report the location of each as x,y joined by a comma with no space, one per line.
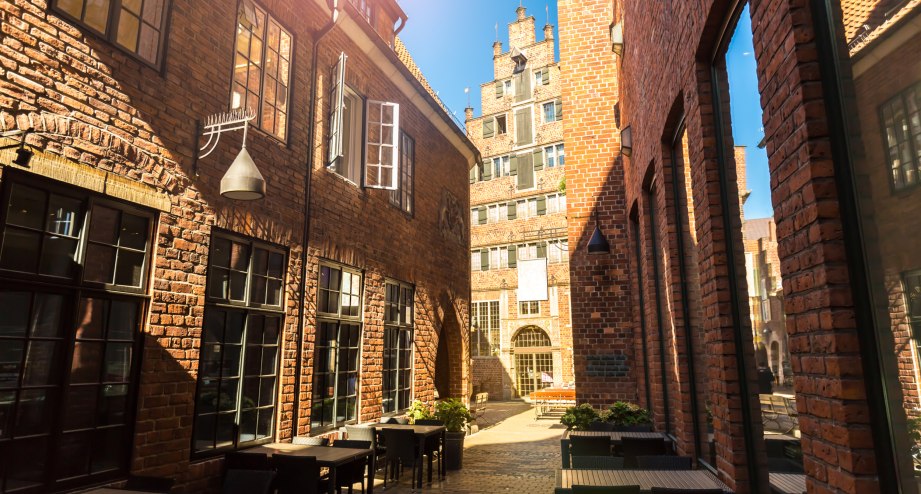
302,286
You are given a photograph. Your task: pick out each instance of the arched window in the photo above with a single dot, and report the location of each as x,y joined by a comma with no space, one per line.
531,337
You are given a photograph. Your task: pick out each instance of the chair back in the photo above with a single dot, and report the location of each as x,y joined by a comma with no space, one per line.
631,447
663,462
238,460
673,490
598,425
149,484
296,474
395,420
430,422
311,441
248,482
401,445
352,443
605,489
360,433
590,445
597,463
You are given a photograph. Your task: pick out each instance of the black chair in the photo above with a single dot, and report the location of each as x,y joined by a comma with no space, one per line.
238,460
590,445
297,474
663,462
633,428
600,426
433,446
351,473
248,482
149,484
401,450
631,447
671,490
597,463
311,441
605,489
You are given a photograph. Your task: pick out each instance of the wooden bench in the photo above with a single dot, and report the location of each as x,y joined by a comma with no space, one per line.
552,401
778,413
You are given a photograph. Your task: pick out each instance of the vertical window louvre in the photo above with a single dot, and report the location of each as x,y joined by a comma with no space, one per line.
381,145
336,109
402,197
262,69
137,25
398,346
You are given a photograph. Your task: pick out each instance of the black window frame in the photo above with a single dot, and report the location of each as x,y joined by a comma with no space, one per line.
74,292
399,327
476,318
111,34
901,99
248,312
343,323
403,197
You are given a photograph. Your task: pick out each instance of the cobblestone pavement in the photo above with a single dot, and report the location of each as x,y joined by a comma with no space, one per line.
513,453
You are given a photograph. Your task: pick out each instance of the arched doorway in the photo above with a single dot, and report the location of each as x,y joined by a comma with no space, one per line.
533,360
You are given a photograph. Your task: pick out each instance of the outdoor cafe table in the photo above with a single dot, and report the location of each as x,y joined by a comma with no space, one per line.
614,435
326,456
646,479
788,483
422,432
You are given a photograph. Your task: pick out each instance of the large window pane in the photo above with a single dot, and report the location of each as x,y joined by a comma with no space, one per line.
134,25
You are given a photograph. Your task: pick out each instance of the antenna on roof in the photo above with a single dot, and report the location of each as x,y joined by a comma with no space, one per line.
547,8
497,32
467,92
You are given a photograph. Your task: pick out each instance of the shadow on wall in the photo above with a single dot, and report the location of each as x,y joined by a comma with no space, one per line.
451,357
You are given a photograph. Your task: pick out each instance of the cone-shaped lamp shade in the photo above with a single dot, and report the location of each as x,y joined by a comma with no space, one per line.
243,182
598,244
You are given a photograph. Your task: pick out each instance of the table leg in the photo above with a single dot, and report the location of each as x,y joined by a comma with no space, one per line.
442,466
371,470
332,480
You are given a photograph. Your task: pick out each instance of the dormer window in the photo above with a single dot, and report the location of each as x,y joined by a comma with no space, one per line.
520,59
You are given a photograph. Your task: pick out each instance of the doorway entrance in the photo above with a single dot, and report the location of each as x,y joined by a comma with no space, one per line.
533,360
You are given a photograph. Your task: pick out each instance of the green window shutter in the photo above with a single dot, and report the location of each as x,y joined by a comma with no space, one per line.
525,172
473,174
484,260
512,256
486,173
559,109
513,166
489,128
499,90
541,205
481,216
542,250
523,127
545,76
512,210
538,159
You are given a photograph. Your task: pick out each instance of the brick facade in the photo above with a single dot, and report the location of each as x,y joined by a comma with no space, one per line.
51,68
497,373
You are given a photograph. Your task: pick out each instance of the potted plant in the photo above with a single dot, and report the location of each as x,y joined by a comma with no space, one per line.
455,416
419,410
578,417
627,415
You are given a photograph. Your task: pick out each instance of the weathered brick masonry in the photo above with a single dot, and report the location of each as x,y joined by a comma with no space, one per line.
51,67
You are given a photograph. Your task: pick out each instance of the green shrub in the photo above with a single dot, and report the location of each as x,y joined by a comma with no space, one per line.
453,413
578,417
419,410
625,413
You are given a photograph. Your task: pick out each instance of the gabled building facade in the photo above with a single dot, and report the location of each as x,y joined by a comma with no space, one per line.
518,215
150,324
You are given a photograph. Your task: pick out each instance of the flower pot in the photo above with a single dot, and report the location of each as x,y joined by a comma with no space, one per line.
454,450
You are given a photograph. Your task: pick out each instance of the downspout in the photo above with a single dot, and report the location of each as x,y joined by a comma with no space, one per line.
302,287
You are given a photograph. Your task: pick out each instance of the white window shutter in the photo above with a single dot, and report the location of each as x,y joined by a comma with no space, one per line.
337,104
382,145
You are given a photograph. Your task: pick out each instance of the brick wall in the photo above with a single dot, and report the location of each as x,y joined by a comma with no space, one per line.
49,65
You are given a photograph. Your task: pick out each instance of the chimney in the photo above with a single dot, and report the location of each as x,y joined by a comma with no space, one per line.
496,48
548,32
468,113
521,11
521,32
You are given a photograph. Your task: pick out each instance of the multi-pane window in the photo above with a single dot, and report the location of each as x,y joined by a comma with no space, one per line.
542,76
556,203
244,317
501,166
70,322
402,197
527,208
549,111
554,156
484,318
338,344
363,7
262,69
398,346
558,251
493,126
530,308
527,252
493,213
901,119
134,25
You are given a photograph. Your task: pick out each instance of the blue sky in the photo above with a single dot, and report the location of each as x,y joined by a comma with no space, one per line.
452,41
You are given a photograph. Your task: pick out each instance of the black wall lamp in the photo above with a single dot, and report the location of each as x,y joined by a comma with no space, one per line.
23,155
598,244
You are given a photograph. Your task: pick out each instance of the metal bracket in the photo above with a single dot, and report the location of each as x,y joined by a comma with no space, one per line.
217,124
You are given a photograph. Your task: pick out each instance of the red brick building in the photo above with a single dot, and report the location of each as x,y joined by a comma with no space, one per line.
150,324
654,114
518,216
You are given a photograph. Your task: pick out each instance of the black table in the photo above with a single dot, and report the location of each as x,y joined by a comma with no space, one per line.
614,435
326,456
646,479
422,432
